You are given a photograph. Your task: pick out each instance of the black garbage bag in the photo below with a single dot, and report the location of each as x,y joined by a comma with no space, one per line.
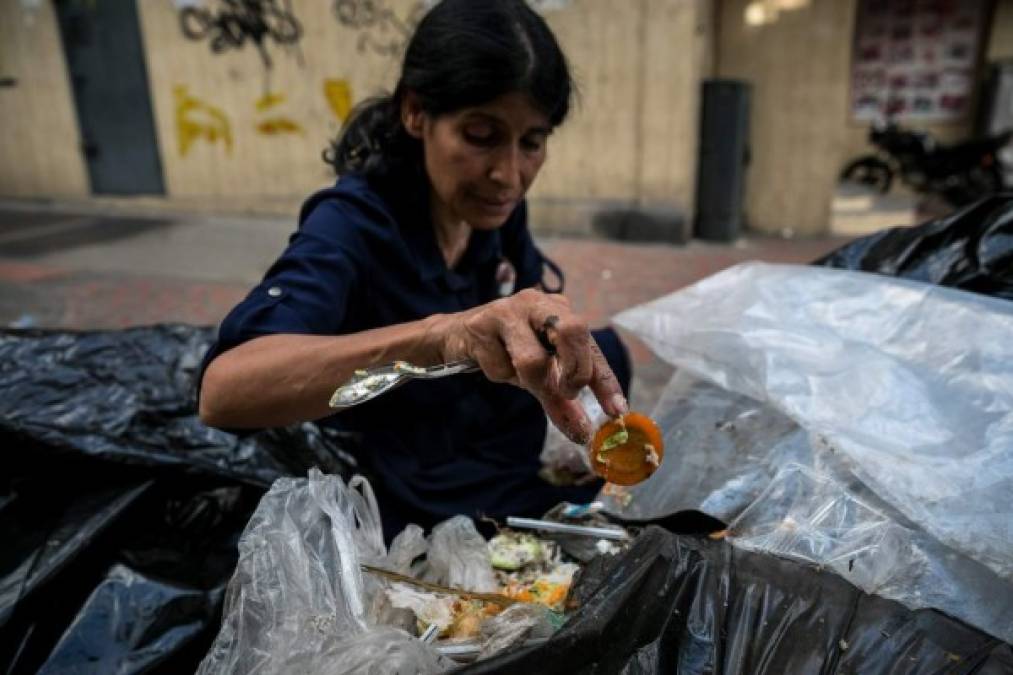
121,514
970,249
120,511
128,397
679,604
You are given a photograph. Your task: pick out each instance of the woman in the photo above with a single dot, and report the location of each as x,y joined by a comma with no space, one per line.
410,256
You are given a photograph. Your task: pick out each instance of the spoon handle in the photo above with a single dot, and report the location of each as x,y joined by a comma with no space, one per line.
366,385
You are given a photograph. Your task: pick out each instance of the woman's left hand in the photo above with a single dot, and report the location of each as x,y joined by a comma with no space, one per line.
503,338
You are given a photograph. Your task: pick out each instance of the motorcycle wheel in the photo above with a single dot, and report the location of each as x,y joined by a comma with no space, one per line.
869,171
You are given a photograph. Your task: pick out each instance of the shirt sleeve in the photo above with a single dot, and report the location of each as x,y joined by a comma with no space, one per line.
308,288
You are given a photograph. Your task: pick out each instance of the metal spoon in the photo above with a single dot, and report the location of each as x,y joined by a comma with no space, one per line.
366,385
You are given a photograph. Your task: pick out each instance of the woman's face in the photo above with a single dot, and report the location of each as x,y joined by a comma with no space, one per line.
482,160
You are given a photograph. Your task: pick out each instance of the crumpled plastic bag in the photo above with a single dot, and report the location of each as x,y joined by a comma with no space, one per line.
120,510
409,544
811,515
127,397
896,391
968,249
299,602
432,608
458,557
514,625
128,609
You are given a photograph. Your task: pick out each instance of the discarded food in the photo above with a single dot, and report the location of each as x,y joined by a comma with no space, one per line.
627,450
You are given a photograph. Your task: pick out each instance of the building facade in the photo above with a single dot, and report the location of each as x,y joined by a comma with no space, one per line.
231,113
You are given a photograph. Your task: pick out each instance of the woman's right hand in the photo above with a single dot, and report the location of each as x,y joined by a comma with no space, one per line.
502,337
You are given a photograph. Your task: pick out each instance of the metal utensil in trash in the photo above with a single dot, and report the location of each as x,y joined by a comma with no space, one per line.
366,385
614,533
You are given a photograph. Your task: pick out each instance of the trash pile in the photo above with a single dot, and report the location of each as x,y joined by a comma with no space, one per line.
120,510
315,590
846,437
852,421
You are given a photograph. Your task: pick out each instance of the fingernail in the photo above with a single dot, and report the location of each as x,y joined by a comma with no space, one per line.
619,405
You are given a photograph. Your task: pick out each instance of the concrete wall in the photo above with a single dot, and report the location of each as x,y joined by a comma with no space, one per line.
39,141
631,139
1000,43
234,133
798,66
230,126
802,132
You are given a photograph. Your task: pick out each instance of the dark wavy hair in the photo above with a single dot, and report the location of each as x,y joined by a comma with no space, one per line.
463,53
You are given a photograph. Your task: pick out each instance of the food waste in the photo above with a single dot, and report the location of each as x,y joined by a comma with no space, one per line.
528,570
627,450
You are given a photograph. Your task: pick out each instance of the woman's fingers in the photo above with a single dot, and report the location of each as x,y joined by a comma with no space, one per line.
536,372
495,361
569,417
504,339
572,341
605,385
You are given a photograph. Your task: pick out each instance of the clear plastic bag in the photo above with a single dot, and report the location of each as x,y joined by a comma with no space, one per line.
811,516
513,626
298,601
458,557
896,393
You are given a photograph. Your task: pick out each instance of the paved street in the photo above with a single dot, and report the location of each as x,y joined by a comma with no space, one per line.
92,267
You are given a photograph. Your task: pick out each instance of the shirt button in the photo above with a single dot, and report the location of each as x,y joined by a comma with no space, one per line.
274,291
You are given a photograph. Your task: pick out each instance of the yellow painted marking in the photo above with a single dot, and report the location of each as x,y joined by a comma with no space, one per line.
339,96
196,119
269,100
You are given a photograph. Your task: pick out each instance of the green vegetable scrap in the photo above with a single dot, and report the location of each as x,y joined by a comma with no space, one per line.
511,551
615,440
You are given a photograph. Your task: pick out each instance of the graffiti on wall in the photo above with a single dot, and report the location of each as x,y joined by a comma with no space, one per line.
198,120
380,29
235,22
339,97
277,124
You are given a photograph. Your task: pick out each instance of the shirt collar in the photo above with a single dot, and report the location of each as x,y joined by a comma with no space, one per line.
418,234
483,245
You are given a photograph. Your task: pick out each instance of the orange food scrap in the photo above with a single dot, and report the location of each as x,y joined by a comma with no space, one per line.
627,450
541,591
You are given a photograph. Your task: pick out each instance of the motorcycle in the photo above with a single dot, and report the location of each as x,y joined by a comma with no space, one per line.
959,173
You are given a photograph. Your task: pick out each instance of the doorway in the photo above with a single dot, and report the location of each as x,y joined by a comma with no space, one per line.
105,61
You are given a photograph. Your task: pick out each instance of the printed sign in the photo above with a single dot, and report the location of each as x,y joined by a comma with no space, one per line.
915,59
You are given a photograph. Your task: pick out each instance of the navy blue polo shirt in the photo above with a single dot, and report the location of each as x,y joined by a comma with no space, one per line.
365,257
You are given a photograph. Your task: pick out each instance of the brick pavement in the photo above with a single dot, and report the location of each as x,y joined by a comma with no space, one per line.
83,292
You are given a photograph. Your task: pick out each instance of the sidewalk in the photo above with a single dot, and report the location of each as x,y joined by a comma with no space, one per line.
92,268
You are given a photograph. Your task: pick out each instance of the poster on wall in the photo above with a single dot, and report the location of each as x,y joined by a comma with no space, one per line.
915,59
